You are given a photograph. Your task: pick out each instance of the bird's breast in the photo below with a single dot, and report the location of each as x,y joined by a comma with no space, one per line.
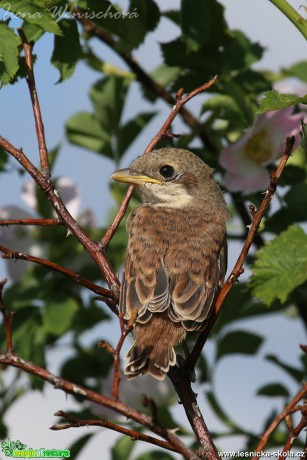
168,228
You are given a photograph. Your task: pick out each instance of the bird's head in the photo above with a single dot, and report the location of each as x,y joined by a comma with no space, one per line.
170,176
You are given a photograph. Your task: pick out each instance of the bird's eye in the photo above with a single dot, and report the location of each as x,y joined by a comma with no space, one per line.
167,171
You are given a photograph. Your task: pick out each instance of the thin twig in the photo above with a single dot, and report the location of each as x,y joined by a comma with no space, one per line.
144,78
182,384
39,126
125,331
45,184
40,222
238,268
74,422
102,292
287,410
7,318
119,407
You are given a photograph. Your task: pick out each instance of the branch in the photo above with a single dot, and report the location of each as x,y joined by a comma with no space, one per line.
143,77
286,411
7,318
182,385
119,407
40,222
292,436
45,184
125,330
238,268
74,422
39,126
106,295
162,133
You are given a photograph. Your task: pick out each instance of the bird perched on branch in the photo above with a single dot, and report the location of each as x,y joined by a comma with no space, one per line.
176,257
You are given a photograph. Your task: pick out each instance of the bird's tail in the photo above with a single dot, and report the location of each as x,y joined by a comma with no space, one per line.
153,360
153,349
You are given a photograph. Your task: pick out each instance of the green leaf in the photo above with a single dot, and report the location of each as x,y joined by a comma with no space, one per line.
32,31
275,390
59,314
108,97
94,362
240,52
296,374
89,317
222,106
9,42
84,129
202,23
144,18
79,444
164,75
203,368
130,131
291,175
67,49
272,100
238,342
248,307
32,13
280,266
298,70
3,159
29,337
219,412
123,448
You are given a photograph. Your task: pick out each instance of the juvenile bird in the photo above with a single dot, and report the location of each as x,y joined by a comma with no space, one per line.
176,257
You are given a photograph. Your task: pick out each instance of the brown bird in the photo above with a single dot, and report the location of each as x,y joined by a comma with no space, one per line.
176,257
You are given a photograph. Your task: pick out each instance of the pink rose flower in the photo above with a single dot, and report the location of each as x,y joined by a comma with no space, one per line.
245,161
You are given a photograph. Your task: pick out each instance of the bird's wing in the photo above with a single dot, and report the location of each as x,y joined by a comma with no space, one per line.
194,286
183,279
145,284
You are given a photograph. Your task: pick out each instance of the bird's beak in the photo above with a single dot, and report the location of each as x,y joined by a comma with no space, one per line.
130,176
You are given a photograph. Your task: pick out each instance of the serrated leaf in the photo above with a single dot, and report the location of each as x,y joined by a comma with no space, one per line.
202,23
123,448
9,42
67,49
32,13
280,266
275,390
144,18
238,342
59,314
32,31
272,100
